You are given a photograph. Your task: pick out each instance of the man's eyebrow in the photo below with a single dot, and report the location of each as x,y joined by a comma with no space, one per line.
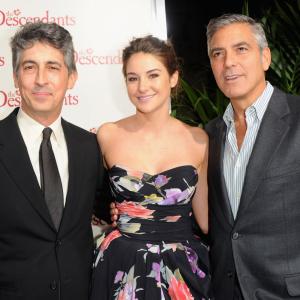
241,44
50,62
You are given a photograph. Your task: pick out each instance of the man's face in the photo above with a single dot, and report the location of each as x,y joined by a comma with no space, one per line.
237,62
43,80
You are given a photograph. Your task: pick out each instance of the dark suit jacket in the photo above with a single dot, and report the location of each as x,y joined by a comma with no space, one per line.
36,261
262,246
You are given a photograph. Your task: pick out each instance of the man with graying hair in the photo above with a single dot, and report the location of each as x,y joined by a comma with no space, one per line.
49,172
253,171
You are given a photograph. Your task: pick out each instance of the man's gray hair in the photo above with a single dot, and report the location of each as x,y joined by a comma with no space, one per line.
227,19
49,33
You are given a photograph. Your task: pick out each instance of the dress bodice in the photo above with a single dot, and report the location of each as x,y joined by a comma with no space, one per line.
155,207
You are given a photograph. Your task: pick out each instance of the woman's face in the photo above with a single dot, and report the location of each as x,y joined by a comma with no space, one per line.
148,82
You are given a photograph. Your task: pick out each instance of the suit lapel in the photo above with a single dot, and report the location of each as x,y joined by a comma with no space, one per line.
217,142
270,135
14,157
75,158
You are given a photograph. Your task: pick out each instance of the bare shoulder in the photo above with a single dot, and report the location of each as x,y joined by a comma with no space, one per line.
108,132
105,131
198,134
197,140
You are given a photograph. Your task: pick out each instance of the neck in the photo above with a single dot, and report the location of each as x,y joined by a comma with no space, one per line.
155,121
44,119
241,104
239,112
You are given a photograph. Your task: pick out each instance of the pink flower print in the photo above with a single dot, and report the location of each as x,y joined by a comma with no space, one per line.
127,292
178,290
113,235
171,218
134,210
105,243
161,180
121,295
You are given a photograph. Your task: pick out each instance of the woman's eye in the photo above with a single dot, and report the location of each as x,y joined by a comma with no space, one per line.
154,75
131,79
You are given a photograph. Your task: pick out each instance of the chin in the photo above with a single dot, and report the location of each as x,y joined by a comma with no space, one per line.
232,93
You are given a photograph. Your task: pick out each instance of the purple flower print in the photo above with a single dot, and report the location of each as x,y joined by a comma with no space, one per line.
174,196
156,270
193,260
119,276
161,180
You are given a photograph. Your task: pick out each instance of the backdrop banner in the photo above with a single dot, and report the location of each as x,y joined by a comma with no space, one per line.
100,30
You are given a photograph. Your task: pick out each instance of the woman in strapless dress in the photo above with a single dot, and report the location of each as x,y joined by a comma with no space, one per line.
157,167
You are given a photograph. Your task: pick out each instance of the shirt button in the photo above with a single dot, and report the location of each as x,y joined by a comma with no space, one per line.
53,285
235,235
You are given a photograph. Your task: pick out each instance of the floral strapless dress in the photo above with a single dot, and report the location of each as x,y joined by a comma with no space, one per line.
153,254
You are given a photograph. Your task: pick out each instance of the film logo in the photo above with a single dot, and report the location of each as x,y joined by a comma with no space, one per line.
13,99
2,61
89,57
16,18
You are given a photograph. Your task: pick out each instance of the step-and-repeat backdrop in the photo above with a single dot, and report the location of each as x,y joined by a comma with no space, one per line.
100,30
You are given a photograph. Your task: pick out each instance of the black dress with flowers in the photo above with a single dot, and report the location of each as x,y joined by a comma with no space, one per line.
153,254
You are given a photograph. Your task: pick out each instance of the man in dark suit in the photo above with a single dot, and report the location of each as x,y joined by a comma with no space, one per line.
46,253
254,170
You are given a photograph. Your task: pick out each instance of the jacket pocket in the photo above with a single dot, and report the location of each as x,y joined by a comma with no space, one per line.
293,284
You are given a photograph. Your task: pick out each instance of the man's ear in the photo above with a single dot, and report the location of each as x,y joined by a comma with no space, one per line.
266,58
15,77
72,79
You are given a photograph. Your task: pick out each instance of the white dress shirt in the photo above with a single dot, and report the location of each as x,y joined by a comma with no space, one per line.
32,135
235,161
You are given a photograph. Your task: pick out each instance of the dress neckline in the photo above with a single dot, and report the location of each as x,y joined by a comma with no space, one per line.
128,169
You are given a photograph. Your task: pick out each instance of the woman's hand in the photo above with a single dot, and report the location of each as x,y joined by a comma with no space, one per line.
113,214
